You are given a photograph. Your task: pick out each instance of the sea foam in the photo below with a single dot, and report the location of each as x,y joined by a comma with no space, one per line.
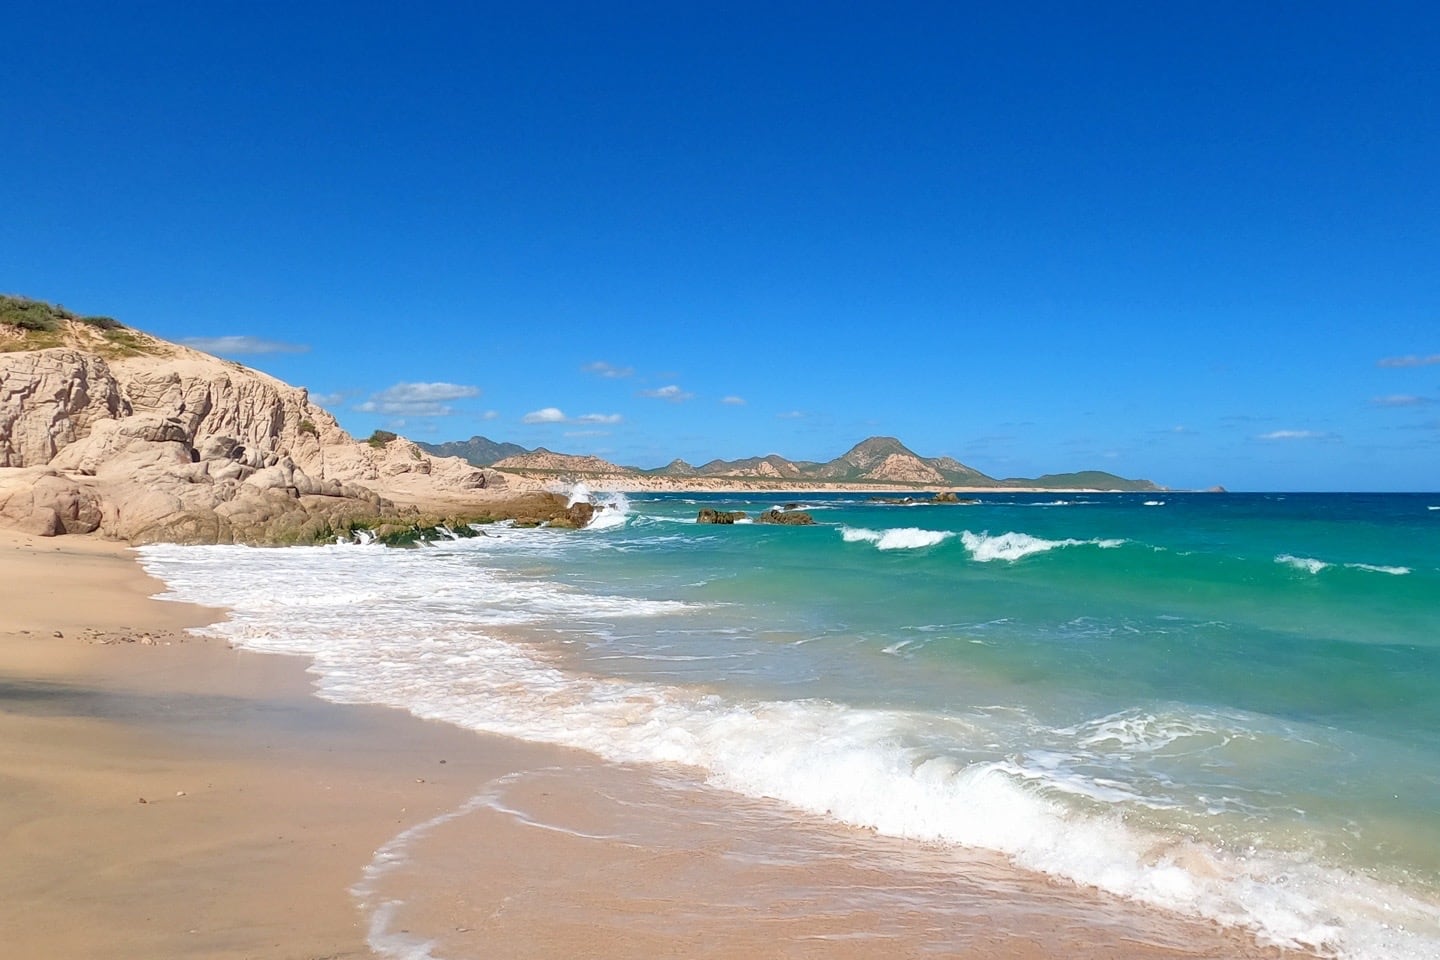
1308,564
422,645
1378,568
1014,546
896,538
1312,565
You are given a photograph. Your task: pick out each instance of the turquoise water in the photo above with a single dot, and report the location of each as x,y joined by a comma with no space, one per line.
1225,705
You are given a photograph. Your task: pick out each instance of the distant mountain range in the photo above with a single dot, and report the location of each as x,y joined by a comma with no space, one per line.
479,451
875,461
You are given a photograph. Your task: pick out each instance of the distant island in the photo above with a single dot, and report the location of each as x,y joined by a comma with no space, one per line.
879,462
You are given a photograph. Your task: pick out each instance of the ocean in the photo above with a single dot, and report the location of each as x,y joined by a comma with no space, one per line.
1223,706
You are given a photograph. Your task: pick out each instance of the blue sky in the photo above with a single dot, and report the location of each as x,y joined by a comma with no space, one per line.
1190,242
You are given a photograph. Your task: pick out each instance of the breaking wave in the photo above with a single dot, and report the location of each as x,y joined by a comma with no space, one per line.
1312,565
1014,546
898,538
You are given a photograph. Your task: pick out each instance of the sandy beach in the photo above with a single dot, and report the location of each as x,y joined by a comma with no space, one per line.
166,796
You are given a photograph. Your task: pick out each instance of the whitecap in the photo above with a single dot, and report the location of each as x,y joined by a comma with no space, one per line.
611,512
1013,546
1377,568
896,538
578,493
1308,564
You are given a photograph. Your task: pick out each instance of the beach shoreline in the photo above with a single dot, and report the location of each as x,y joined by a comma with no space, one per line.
168,796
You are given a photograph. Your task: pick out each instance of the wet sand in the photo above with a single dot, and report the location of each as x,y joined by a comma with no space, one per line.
165,796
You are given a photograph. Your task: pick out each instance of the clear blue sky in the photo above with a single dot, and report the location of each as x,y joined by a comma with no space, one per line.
1195,242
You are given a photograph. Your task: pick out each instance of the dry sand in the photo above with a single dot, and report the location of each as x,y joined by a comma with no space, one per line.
262,807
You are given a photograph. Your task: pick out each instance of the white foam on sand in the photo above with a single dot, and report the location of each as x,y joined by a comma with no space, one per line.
407,629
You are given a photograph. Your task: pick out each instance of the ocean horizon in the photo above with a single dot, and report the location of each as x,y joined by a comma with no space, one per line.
1220,706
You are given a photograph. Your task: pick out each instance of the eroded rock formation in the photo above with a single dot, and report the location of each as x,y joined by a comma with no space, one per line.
170,444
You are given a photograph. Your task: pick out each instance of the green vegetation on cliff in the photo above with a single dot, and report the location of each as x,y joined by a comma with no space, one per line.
37,315
28,324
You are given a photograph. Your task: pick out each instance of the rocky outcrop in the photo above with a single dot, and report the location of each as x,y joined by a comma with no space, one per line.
51,398
791,518
903,468
944,497
707,515
177,446
214,398
40,501
576,515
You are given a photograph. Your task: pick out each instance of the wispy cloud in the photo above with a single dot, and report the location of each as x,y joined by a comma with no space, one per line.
1296,435
672,393
418,399
1401,400
556,415
490,415
328,399
607,370
791,415
733,400
1409,361
587,433
242,346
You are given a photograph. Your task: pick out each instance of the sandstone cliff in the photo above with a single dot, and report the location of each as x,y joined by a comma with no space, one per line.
158,442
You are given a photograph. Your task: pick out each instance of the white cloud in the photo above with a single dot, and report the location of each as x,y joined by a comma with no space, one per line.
672,393
490,415
556,415
1410,361
418,399
607,370
327,399
1296,435
587,433
791,415
239,346
733,400
1400,400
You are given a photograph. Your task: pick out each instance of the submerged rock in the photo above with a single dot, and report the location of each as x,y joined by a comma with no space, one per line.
790,518
708,515
576,516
